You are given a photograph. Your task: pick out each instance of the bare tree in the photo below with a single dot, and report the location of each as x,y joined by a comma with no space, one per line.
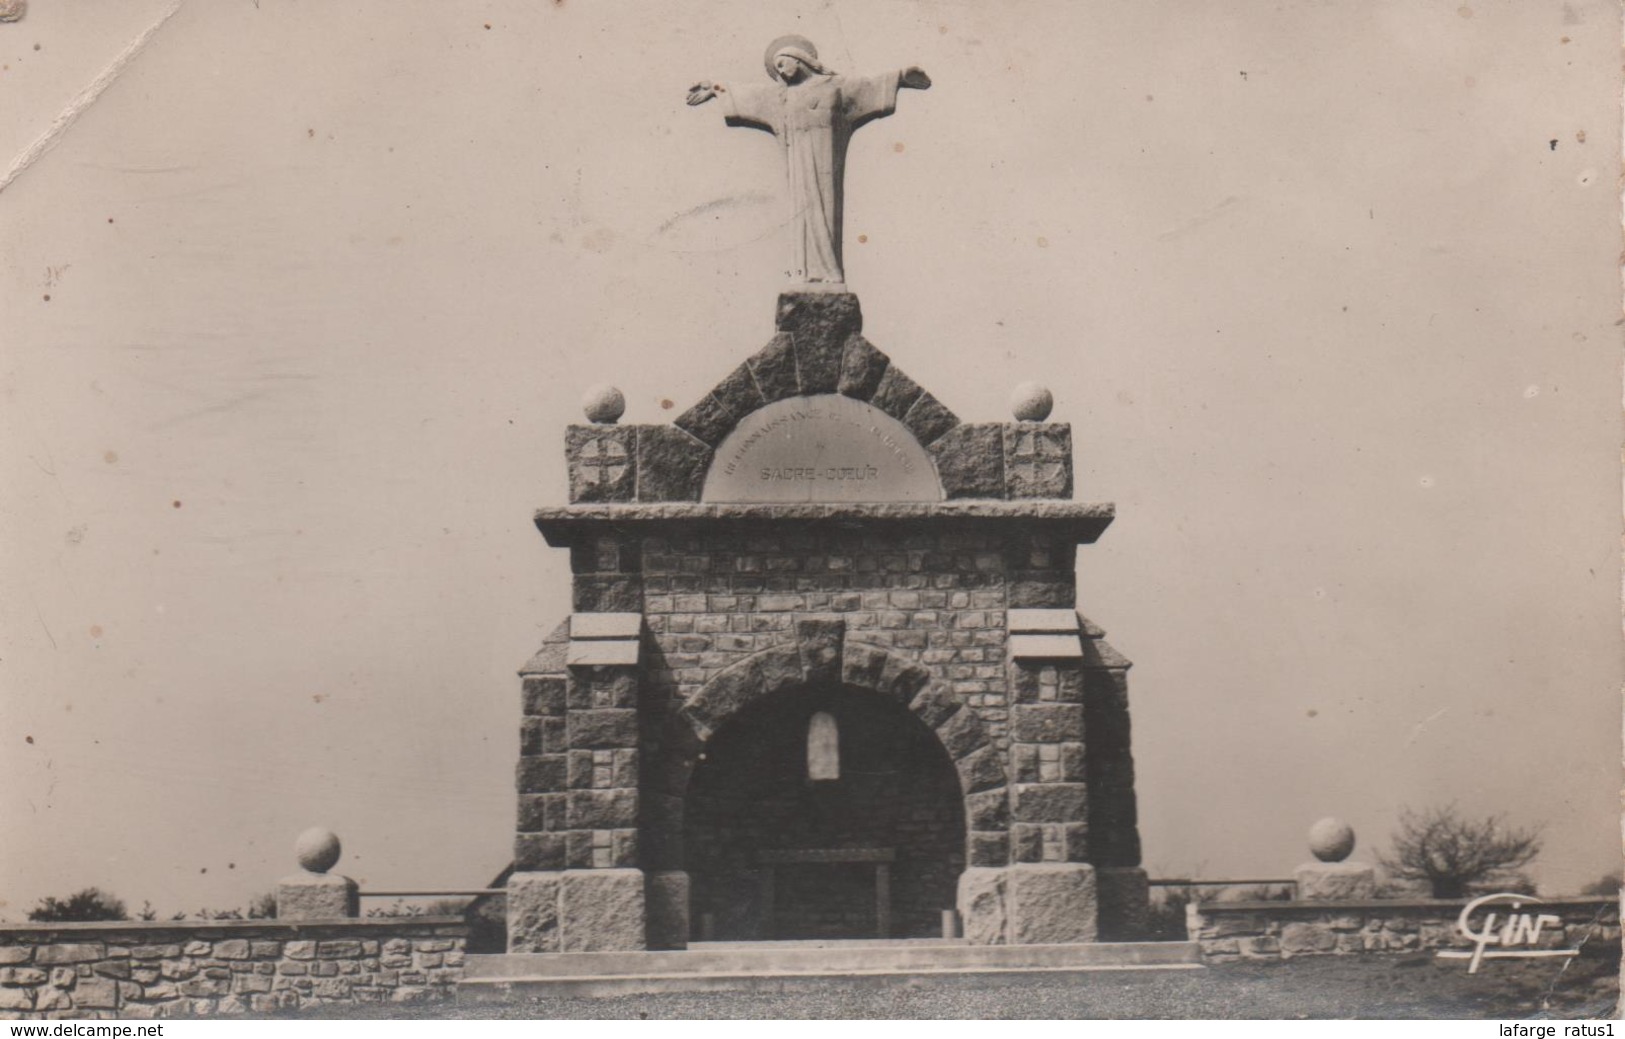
1452,853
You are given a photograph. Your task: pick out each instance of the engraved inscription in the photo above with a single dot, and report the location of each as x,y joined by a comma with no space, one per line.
824,448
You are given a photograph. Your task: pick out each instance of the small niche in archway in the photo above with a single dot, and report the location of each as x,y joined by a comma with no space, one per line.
762,787
823,747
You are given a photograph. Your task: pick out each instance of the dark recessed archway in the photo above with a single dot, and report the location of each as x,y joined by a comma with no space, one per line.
751,809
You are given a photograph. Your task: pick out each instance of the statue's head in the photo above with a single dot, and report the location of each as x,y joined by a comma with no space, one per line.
789,68
790,59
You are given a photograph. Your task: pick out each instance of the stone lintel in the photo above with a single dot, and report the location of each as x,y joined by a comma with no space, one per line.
783,856
1050,646
1041,621
606,625
603,653
1077,522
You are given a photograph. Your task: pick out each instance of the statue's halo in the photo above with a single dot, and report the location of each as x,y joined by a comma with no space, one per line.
798,42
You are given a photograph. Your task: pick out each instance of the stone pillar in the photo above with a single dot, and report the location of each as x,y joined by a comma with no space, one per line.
1330,878
313,893
578,813
1114,836
577,886
1048,793
1048,893
1049,798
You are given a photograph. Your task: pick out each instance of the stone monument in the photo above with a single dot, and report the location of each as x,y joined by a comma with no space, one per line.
313,893
825,676
1330,878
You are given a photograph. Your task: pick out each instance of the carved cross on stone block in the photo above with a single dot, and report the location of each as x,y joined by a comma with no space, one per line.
1038,460
601,461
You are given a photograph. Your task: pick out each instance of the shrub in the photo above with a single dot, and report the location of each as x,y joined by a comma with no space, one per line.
1165,919
1608,884
79,907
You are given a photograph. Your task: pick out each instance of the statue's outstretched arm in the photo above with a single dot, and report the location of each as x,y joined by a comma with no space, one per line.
913,76
701,92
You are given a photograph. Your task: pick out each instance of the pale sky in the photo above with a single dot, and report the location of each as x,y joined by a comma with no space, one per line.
1326,289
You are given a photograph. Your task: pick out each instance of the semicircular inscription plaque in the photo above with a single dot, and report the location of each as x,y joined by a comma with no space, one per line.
815,449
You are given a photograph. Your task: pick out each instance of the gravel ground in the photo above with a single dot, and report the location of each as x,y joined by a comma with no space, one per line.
1321,987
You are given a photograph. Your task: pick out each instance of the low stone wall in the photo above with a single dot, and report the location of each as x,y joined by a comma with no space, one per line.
1280,930
225,967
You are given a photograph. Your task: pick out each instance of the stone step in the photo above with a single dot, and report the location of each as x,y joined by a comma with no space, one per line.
820,943
590,987
801,966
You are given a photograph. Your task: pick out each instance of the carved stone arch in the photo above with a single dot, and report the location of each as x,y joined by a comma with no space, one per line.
819,349
821,655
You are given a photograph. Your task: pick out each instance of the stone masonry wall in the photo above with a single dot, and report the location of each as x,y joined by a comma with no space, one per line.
711,599
1281,930
935,598
220,968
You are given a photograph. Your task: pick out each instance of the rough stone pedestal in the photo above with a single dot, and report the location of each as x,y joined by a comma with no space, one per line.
581,910
1125,903
316,896
1050,902
667,895
1030,904
533,912
1335,881
981,905
601,910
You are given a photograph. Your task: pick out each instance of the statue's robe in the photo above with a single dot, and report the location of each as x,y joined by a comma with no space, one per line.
813,120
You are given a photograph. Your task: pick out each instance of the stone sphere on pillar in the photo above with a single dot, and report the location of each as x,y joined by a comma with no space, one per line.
1031,402
317,849
1331,839
603,404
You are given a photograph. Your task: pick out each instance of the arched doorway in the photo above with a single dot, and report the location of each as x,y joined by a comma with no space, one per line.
774,853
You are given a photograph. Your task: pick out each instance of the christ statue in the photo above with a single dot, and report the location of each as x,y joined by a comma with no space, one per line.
812,111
